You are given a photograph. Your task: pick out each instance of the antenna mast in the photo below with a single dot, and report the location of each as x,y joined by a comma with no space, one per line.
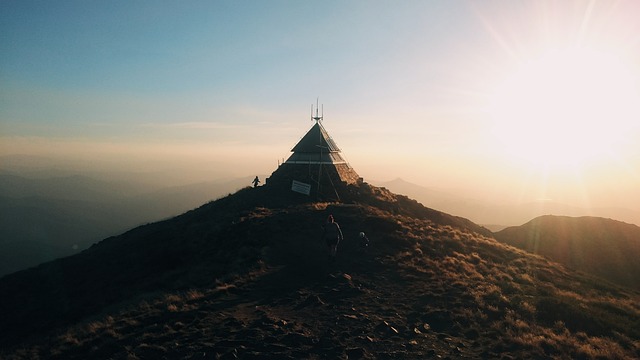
317,118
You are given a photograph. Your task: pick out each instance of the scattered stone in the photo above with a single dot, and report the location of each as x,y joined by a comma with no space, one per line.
370,339
386,327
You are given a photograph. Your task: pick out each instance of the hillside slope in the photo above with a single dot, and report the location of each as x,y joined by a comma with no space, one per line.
247,276
46,218
598,246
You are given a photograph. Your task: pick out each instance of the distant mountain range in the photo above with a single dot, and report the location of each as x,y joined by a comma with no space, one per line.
498,214
603,247
45,218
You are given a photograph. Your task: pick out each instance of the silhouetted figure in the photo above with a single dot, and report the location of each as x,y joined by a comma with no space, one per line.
255,182
332,236
364,241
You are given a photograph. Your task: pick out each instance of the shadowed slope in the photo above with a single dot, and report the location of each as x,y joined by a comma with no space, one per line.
247,276
599,246
191,249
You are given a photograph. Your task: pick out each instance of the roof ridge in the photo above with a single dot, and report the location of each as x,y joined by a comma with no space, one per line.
316,140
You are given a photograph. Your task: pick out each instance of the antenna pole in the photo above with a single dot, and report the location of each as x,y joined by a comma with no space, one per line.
318,117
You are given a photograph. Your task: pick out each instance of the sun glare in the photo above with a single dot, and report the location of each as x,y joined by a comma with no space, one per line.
565,108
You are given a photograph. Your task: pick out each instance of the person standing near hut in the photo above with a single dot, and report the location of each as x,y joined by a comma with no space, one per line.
332,236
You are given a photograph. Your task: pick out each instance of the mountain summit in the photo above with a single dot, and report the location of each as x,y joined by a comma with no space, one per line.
316,167
249,277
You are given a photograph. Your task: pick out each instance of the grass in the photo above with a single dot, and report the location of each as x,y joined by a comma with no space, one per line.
428,286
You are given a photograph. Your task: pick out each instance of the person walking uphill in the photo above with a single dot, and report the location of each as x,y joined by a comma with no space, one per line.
332,236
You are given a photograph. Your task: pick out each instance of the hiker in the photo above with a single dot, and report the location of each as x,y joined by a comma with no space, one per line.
255,182
332,235
364,241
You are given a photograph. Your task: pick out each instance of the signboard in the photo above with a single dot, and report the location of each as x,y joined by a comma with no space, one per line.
301,187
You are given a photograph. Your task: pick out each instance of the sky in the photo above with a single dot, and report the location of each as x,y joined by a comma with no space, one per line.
504,100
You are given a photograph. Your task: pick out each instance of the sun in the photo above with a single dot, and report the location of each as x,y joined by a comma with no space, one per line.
564,108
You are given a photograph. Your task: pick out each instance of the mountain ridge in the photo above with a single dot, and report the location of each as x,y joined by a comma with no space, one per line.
603,247
246,276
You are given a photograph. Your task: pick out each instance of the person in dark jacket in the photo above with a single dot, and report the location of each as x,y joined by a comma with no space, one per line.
332,236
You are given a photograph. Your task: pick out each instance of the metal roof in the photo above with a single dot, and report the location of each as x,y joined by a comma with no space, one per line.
316,139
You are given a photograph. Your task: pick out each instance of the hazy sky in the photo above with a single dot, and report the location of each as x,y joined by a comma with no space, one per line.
525,100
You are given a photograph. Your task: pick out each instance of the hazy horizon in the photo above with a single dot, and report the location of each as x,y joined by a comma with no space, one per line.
498,101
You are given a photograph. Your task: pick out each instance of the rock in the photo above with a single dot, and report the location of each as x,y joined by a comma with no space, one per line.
386,328
370,339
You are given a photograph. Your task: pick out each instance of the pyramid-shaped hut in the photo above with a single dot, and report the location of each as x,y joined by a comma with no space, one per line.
316,167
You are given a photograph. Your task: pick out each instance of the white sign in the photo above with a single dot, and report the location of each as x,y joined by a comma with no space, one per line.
301,187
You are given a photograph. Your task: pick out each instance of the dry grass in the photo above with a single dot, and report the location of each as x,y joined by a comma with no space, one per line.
424,289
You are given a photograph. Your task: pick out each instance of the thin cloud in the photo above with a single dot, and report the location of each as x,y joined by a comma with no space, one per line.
194,125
